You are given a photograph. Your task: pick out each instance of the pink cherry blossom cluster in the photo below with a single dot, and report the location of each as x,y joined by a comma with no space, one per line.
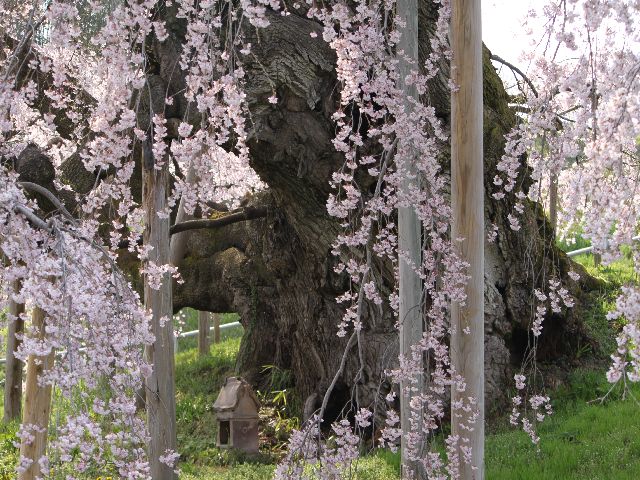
581,123
94,323
556,297
528,414
626,359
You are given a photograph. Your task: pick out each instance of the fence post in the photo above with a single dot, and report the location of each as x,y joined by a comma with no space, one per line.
203,333
13,366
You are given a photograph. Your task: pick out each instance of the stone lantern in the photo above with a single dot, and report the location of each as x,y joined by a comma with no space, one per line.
237,413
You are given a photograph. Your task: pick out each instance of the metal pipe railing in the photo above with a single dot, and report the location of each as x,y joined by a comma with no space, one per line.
580,251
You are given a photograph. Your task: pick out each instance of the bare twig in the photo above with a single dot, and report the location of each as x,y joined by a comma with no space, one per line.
515,69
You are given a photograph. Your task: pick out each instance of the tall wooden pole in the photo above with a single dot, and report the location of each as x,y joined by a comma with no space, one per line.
203,332
467,198
13,366
37,403
160,391
177,249
409,242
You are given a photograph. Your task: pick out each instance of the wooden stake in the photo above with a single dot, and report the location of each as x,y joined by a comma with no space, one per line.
160,391
13,366
467,197
37,403
409,238
216,327
203,333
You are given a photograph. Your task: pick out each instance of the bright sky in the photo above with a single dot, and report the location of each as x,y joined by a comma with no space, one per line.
502,29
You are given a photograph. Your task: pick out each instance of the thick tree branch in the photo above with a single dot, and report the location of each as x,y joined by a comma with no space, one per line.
32,217
34,187
248,213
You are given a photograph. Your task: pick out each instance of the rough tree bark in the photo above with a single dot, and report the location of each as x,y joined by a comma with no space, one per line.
277,273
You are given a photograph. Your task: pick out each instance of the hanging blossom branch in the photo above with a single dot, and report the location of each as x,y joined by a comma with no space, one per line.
89,90
581,124
380,139
88,303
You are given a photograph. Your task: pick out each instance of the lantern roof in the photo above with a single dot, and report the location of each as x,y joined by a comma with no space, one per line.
232,392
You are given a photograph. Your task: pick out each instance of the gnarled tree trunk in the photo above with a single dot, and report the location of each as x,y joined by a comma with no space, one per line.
277,273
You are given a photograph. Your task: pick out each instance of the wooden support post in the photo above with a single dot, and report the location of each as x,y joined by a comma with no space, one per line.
410,244
160,391
13,366
37,403
203,333
467,197
216,327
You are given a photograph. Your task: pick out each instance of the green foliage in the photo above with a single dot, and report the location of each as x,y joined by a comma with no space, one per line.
577,241
602,301
277,420
8,452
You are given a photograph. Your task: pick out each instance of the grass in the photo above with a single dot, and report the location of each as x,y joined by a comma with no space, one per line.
8,452
580,441
599,303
